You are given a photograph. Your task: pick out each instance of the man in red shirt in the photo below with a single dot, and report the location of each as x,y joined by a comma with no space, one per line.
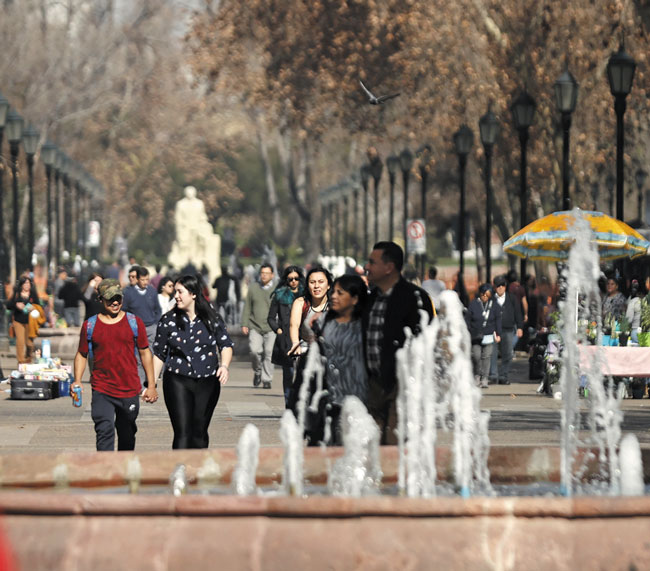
114,373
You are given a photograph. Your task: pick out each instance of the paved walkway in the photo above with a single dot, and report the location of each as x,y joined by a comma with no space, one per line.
518,416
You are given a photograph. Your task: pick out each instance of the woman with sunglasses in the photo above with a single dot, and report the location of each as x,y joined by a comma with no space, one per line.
291,286
193,346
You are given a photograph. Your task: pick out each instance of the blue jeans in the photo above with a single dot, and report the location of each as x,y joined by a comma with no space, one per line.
506,345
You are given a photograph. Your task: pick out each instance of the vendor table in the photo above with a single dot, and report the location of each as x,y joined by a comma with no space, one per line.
618,361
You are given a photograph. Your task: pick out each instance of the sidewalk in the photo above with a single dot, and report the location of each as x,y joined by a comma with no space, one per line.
519,416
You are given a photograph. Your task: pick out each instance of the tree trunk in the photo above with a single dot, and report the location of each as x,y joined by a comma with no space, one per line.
276,223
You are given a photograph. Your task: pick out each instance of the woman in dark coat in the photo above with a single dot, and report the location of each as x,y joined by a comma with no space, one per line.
291,286
483,320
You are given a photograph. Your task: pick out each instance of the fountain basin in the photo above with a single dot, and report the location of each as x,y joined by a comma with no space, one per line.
51,529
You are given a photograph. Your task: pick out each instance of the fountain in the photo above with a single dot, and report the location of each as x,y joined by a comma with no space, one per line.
473,529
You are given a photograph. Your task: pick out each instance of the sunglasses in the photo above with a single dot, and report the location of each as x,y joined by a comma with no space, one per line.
290,279
113,300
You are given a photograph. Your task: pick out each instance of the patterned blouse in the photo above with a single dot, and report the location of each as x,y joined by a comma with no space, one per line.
342,345
190,350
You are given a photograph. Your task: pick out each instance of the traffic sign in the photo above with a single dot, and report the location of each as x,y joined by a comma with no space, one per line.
416,236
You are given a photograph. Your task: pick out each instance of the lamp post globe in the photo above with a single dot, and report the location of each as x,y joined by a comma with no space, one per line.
523,114
463,142
620,73
489,129
566,97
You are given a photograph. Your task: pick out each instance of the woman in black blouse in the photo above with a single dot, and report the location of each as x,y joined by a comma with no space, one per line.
194,347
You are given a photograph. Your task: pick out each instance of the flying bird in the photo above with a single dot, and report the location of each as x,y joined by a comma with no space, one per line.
376,100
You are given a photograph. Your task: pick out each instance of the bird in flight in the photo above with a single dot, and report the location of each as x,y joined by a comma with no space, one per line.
376,100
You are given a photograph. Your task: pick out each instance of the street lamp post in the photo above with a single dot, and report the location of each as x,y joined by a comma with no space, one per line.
406,163
620,73
48,154
463,141
640,175
392,164
66,202
4,266
566,96
376,168
355,223
610,183
345,224
14,128
424,157
365,177
523,112
30,142
58,163
489,129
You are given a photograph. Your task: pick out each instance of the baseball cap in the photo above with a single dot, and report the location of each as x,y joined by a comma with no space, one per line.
109,288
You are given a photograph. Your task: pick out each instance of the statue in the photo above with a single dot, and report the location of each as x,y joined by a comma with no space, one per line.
196,242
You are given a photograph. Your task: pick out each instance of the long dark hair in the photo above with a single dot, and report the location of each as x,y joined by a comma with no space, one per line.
356,287
282,291
32,288
316,270
163,282
194,284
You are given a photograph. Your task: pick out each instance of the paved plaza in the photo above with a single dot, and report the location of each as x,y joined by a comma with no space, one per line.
519,416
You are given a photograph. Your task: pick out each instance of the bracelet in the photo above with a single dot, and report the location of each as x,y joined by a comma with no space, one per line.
225,367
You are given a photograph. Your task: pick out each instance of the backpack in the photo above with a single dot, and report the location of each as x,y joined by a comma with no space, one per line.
92,321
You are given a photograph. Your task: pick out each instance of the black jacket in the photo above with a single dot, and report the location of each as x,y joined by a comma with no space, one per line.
279,317
402,310
511,315
474,320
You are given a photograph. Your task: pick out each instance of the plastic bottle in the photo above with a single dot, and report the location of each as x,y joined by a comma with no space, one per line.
76,397
46,349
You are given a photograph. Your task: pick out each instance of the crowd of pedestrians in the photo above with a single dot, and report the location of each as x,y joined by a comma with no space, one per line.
165,329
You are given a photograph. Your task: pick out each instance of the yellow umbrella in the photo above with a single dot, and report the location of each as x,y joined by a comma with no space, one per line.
549,238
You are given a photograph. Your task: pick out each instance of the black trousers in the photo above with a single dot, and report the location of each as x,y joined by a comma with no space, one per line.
112,414
190,403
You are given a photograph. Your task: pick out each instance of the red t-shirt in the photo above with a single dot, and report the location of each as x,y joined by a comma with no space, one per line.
115,370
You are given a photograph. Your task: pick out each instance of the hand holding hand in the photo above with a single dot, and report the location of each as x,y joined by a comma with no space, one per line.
150,395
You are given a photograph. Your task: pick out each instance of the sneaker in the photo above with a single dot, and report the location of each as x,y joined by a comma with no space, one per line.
483,384
257,379
504,382
266,385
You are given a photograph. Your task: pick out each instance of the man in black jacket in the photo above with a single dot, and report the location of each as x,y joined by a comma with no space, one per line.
393,304
512,323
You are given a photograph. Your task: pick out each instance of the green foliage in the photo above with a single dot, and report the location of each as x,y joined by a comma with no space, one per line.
645,315
624,324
